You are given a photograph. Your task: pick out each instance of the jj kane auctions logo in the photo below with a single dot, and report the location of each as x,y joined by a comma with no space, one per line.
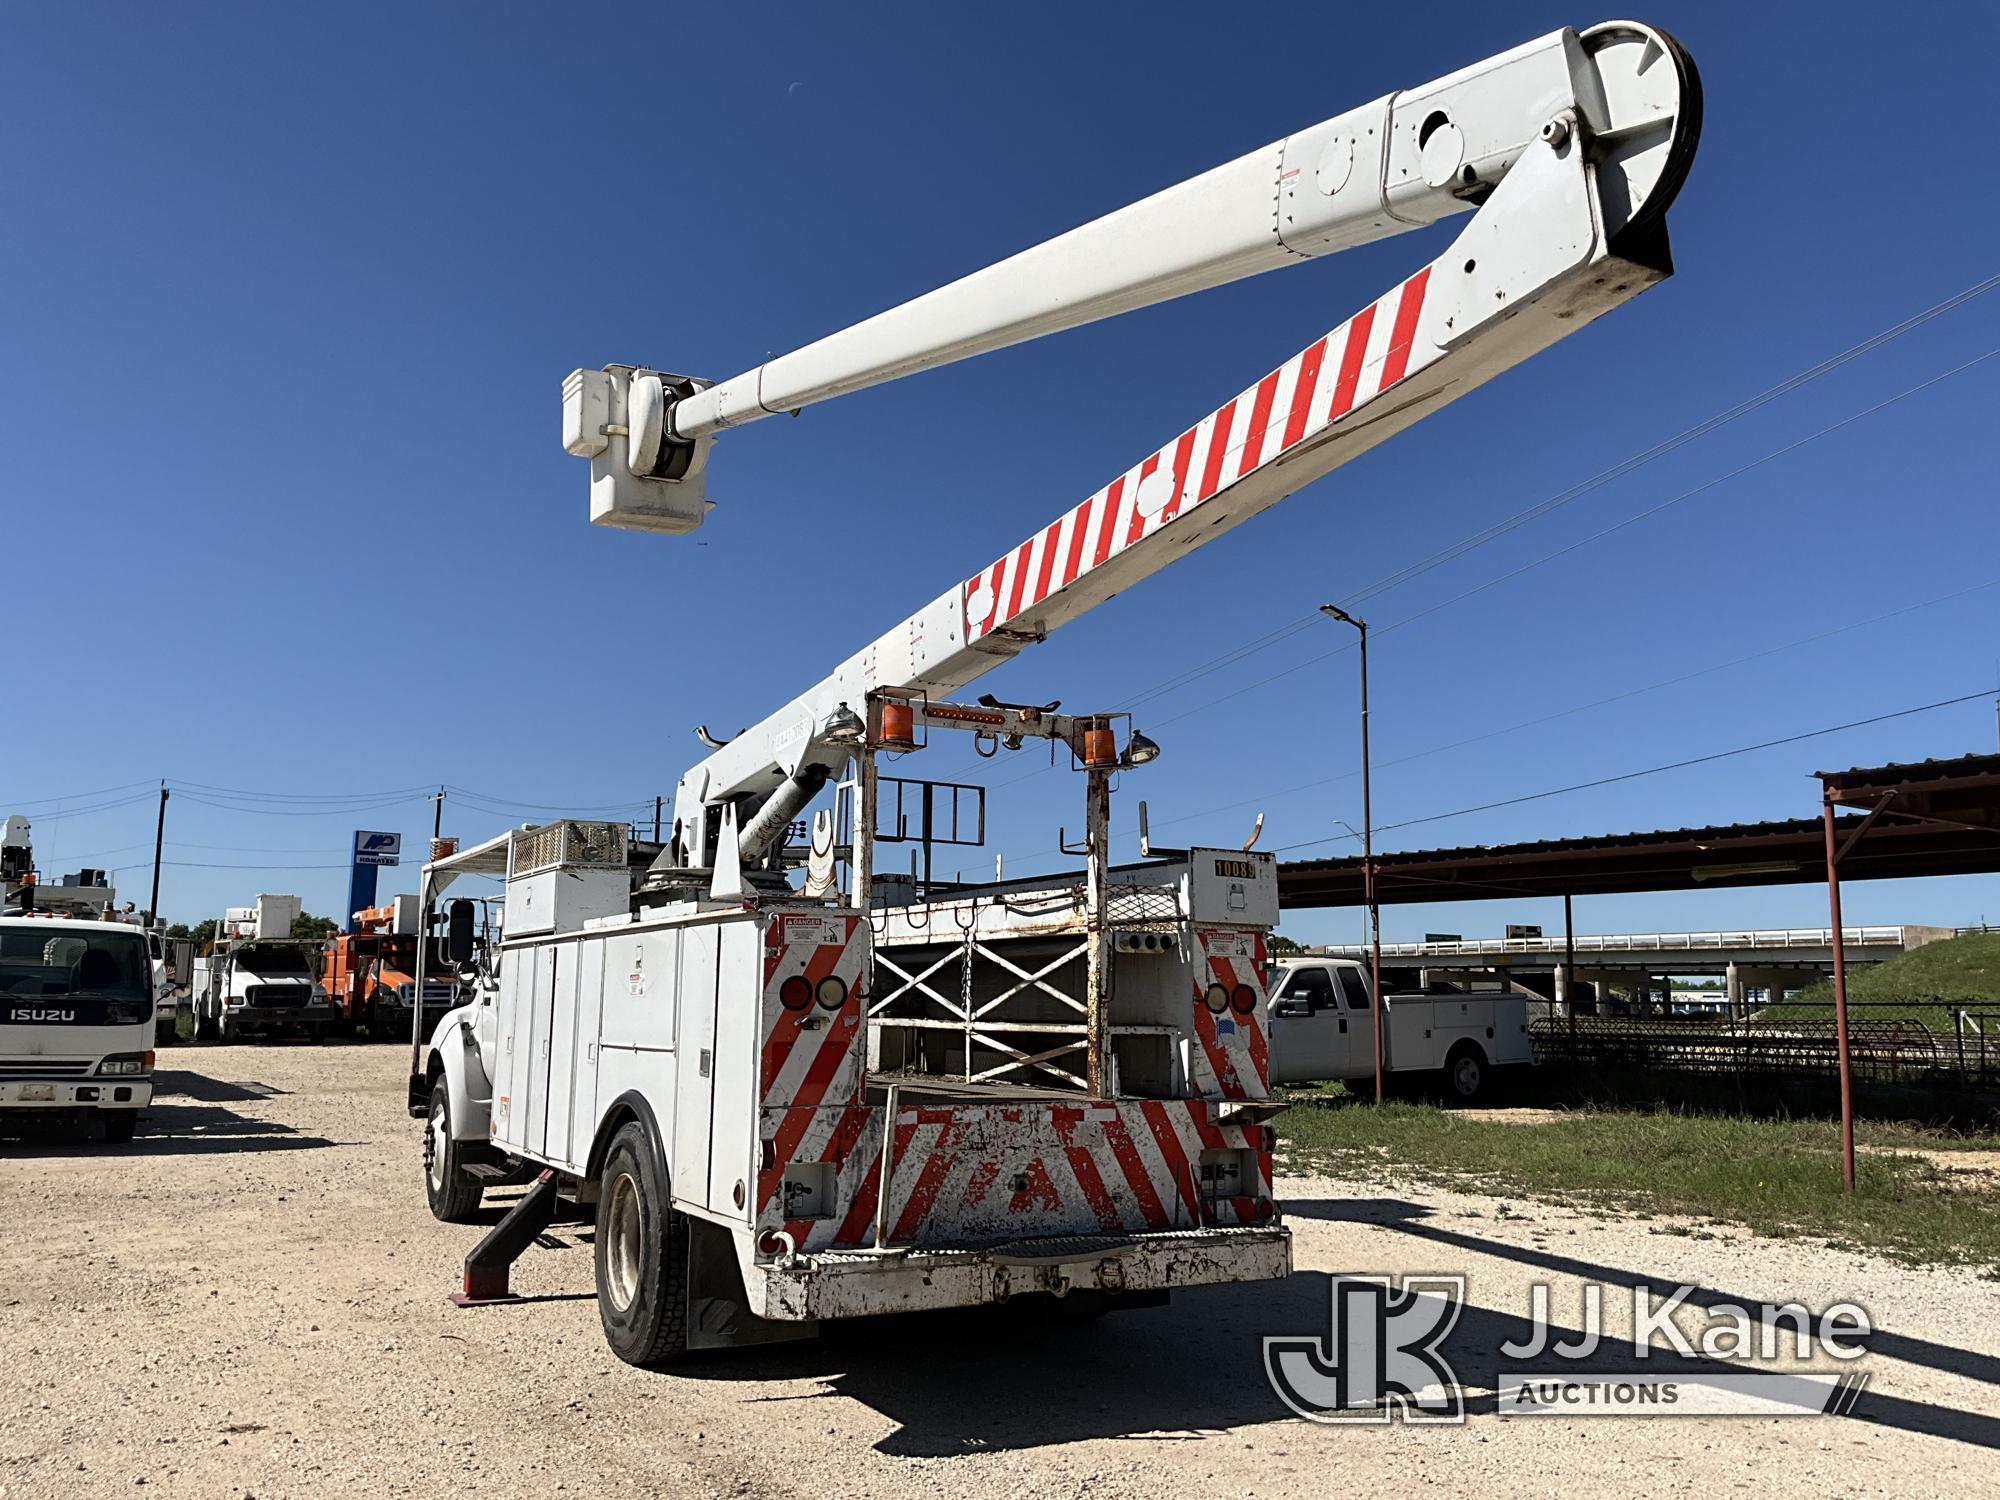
1381,1357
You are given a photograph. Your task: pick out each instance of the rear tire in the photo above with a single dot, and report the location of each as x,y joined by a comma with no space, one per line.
453,1192
166,1033
118,1127
642,1255
204,1027
1465,1074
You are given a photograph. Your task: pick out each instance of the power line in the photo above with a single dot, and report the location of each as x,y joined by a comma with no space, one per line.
1599,535
470,796
28,806
177,784
1578,708
300,812
1578,490
1678,765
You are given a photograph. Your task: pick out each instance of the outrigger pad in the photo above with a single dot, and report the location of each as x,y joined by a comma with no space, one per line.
487,1265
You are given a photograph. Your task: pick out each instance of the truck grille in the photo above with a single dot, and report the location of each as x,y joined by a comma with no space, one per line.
42,1068
277,996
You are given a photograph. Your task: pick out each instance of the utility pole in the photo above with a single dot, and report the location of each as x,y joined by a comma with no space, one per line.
657,803
437,816
1335,612
159,843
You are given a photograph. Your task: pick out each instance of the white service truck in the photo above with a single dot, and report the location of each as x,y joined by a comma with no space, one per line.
675,1032
1322,1028
76,1019
258,980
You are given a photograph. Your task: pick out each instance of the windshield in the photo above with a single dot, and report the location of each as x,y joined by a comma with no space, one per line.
262,960
52,974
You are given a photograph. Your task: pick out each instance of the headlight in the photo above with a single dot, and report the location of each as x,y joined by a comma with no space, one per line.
131,1062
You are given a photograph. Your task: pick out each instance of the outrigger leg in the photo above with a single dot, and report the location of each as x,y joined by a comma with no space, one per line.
487,1264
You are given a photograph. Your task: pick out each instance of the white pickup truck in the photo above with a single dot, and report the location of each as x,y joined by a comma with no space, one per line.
1322,1027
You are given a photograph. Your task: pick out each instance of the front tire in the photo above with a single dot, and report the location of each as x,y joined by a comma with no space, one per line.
453,1192
118,1127
642,1255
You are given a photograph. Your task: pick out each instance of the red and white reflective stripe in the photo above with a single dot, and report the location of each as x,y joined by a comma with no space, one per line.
967,1173
810,1056
1320,385
1232,1056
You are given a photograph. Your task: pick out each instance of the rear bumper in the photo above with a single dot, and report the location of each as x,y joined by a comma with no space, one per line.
860,1283
111,1092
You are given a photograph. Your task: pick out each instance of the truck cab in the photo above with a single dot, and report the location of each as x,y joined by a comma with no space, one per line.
1322,1027
76,1020
260,987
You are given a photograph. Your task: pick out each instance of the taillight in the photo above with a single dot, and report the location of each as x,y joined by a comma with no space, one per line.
1242,999
832,992
796,993
1217,998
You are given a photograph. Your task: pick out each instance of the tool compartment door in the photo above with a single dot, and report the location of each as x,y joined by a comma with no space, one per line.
581,1121
523,976
695,1090
579,966
554,966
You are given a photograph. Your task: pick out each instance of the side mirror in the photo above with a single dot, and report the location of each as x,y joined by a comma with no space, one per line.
458,943
1291,1008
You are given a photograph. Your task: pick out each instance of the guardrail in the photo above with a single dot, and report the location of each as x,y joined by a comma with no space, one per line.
1630,942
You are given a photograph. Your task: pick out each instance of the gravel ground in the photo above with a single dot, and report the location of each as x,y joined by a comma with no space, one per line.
250,1301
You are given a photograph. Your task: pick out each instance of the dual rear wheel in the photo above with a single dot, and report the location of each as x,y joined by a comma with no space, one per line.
642,1254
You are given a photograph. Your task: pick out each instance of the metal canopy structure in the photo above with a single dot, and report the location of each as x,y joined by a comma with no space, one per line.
1933,817
1940,796
1939,817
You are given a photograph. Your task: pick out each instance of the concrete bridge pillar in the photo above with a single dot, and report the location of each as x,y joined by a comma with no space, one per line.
1732,981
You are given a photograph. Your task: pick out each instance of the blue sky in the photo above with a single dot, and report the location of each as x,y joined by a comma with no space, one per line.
292,294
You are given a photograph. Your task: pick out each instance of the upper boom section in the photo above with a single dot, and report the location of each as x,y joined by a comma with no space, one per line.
1572,228
1394,164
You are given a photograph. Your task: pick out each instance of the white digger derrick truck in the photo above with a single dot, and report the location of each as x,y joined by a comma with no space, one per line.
740,1072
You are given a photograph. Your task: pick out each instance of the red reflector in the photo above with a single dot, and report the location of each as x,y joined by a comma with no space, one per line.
795,993
1242,999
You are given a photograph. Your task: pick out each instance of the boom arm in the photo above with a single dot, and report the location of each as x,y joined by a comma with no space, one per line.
1572,147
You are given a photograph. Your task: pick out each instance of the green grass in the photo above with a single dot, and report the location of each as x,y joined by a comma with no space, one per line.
1923,985
1776,1177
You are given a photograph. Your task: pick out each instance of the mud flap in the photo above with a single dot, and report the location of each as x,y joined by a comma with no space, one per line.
719,1315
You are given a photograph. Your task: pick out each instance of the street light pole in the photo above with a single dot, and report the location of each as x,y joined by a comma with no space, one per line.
1335,612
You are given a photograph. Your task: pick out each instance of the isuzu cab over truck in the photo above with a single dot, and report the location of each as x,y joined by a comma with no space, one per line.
76,1019
778,1107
